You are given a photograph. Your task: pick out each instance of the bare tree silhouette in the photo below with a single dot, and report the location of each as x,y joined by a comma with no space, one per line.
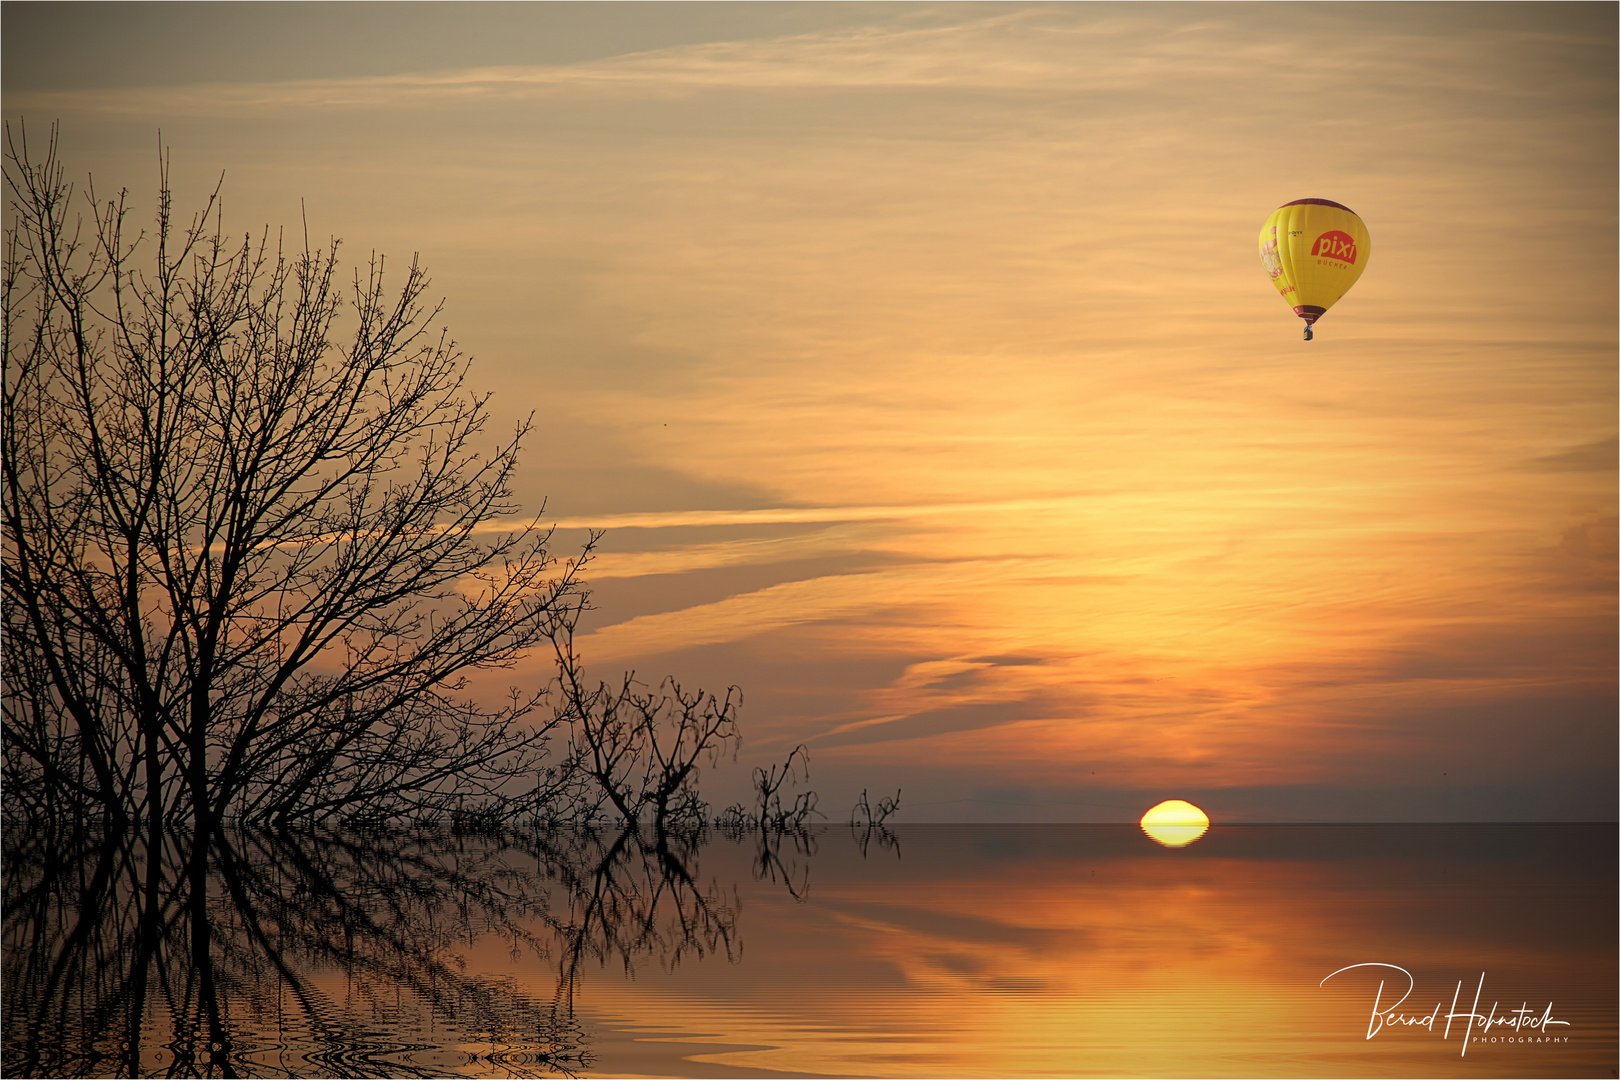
868,822
254,541
769,813
865,815
643,749
254,532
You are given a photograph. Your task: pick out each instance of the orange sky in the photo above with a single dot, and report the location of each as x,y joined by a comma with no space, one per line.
921,365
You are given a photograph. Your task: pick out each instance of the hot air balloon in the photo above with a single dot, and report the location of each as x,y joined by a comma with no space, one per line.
1314,250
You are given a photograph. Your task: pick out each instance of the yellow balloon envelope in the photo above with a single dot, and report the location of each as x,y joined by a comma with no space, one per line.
1314,250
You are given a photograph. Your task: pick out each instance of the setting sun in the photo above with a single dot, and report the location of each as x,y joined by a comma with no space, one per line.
1175,823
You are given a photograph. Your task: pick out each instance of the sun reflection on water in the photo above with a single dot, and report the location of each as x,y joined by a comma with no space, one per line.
1175,823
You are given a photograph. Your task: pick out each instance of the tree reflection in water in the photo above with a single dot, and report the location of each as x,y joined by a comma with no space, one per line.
339,953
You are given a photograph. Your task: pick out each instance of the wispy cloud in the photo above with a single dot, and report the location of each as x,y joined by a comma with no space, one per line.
804,515
840,596
1022,49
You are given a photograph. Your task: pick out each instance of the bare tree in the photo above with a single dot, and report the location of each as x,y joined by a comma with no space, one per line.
253,531
643,749
865,815
769,813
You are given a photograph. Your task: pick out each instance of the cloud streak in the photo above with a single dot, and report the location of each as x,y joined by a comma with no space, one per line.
805,515
1020,50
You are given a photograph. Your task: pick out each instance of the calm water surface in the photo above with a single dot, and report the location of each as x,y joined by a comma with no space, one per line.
931,951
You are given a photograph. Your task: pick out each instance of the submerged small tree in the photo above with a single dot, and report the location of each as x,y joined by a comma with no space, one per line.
252,531
642,750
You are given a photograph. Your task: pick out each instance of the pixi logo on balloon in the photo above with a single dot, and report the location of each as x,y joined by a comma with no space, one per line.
1336,245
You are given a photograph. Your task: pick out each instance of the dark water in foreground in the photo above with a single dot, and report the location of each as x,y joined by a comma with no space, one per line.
934,951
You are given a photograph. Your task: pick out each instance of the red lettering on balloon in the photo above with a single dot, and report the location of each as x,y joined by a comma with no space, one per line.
1336,245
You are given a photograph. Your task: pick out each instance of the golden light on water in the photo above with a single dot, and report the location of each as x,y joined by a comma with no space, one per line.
1175,823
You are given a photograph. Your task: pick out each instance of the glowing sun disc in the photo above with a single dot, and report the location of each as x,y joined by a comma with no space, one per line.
1175,823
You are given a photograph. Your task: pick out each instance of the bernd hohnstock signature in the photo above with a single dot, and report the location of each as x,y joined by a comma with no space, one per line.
1525,1023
